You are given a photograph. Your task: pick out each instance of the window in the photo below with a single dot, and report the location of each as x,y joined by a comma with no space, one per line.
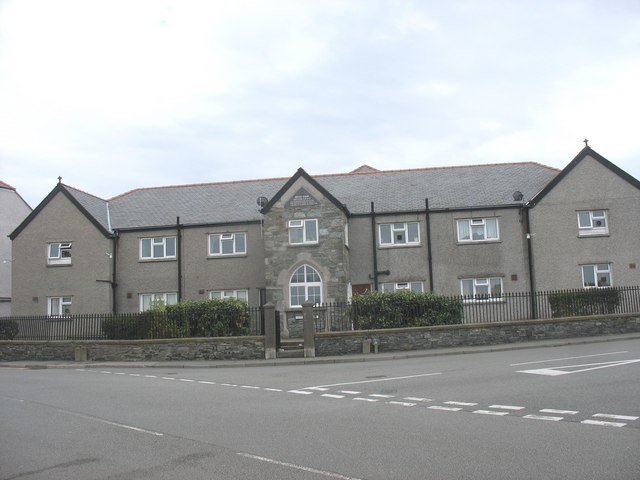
59,253
305,285
157,248
481,288
598,275
478,229
592,222
227,244
223,294
399,233
394,287
58,306
303,231
149,300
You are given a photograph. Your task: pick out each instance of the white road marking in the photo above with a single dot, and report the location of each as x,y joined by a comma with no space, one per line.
402,404
80,369
462,404
150,376
506,407
186,380
350,392
331,395
567,358
135,375
206,383
379,395
167,378
251,387
298,467
418,399
490,412
115,424
272,389
448,409
370,400
104,371
603,424
559,412
555,371
321,389
119,373
377,380
544,417
300,392
615,417
228,385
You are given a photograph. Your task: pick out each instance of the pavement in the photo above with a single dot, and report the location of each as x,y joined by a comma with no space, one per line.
365,357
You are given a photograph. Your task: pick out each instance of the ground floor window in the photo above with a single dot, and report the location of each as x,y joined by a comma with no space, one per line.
478,289
57,306
305,285
242,294
394,287
598,275
149,300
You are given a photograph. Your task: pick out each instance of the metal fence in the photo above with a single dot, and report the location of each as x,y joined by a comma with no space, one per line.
127,326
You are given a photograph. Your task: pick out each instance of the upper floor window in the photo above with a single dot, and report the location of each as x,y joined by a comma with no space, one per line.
303,231
475,289
593,222
478,229
157,247
305,285
227,243
394,287
59,253
150,300
598,275
399,233
58,306
242,294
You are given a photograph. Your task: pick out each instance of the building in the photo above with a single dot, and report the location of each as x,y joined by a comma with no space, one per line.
13,210
474,230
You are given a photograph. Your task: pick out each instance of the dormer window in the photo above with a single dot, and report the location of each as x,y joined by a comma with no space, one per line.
592,222
59,254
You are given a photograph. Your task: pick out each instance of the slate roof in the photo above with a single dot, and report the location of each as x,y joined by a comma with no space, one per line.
391,191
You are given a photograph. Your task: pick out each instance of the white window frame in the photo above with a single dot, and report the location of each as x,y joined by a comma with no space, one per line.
397,234
597,269
239,247
479,284
62,256
59,306
310,288
417,287
477,223
597,222
161,242
240,294
168,298
305,226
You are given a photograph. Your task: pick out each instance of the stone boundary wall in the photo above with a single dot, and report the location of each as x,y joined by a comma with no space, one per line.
225,348
424,338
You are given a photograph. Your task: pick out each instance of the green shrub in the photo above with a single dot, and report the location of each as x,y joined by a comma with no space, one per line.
210,318
404,308
126,326
8,329
592,301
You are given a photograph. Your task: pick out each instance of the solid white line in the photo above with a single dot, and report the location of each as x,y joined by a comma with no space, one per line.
554,371
378,380
462,404
350,392
378,395
418,399
603,424
298,467
559,412
370,400
402,404
448,409
566,358
206,383
331,395
507,407
490,412
615,417
115,424
543,417
300,392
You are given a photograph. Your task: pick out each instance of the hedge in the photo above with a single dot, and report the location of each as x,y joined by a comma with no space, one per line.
593,301
8,329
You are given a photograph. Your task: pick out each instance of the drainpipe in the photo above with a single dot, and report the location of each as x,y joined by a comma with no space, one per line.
114,283
532,279
375,248
429,257
179,254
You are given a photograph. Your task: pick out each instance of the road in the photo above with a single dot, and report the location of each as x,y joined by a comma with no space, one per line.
567,412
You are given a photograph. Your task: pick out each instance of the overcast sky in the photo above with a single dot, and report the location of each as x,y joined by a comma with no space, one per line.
115,95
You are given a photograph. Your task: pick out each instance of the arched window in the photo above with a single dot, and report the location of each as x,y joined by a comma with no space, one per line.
305,285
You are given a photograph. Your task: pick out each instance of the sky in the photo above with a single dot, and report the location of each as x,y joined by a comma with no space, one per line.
115,95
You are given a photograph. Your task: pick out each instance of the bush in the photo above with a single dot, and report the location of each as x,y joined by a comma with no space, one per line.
210,318
8,329
128,326
404,308
592,301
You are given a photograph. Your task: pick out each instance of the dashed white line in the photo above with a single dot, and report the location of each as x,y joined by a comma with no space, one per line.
228,385
615,417
507,407
186,380
104,371
370,400
559,412
418,399
250,387
115,424
135,375
544,417
350,392
462,404
491,412
332,395
448,409
167,378
402,404
298,467
320,389
379,395
272,389
603,424
120,373
206,383
300,392
150,376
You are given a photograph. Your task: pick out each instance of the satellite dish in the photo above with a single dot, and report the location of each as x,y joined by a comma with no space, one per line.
517,196
262,201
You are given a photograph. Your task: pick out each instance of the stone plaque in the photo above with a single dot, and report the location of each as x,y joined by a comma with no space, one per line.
302,198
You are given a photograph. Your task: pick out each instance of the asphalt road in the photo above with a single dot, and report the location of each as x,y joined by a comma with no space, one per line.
567,412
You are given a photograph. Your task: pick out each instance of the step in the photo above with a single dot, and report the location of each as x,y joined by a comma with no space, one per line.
291,353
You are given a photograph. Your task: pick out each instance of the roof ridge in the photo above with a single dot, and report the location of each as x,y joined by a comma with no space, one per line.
82,191
6,185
